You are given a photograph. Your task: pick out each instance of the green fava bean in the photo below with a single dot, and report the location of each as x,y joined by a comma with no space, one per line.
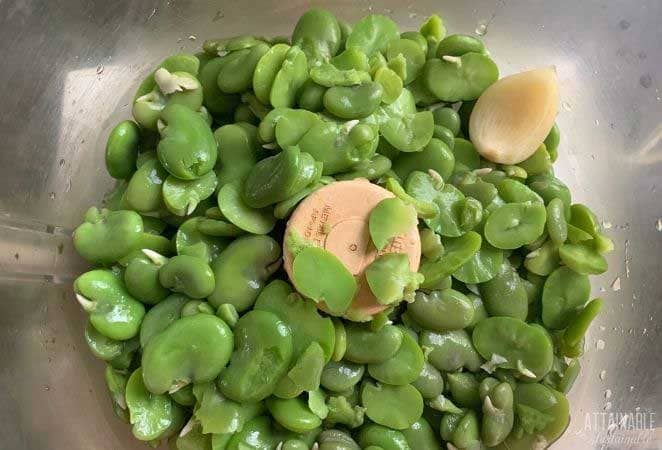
153,416
552,142
371,170
304,375
256,434
219,415
345,411
148,107
216,101
436,155
336,440
189,275
390,218
353,102
279,177
483,266
289,79
144,192
106,236
181,197
429,188
457,251
409,132
262,355
403,368
486,193
579,324
372,34
526,348
451,350
442,310
395,407
513,191
445,135
116,384
341,376
418,38
336,289
319,35
340,146
266,70
329,75
311,96
515,224
550,187
141,278
466,156
101,346
412,53
375,436
194,439
448,118
237,151
340,340
463,388
293,414
391,279
300,315
459,78
421,436
391,84
433,28
351,58
237,68
564,294
467,432
431,247
542,416
458,45
505,294
429,383
583,259
233,207
122,149
161,316
557,227
190,241
537,163
371,347
187,148
113,311
577,235
242,269
193,349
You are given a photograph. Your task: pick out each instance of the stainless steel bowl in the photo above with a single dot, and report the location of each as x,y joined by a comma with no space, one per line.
70,68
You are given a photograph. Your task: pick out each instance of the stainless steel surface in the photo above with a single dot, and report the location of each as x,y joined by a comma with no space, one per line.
70,67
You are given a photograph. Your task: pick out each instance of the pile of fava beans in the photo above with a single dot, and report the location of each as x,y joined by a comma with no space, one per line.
210,344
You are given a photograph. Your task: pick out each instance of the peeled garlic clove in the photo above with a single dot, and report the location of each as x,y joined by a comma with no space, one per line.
514,115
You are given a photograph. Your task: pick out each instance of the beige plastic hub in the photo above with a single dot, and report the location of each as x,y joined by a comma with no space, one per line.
335,218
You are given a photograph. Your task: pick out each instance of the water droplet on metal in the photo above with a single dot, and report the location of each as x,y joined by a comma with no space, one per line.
51,195
62,162
100,69
481,28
